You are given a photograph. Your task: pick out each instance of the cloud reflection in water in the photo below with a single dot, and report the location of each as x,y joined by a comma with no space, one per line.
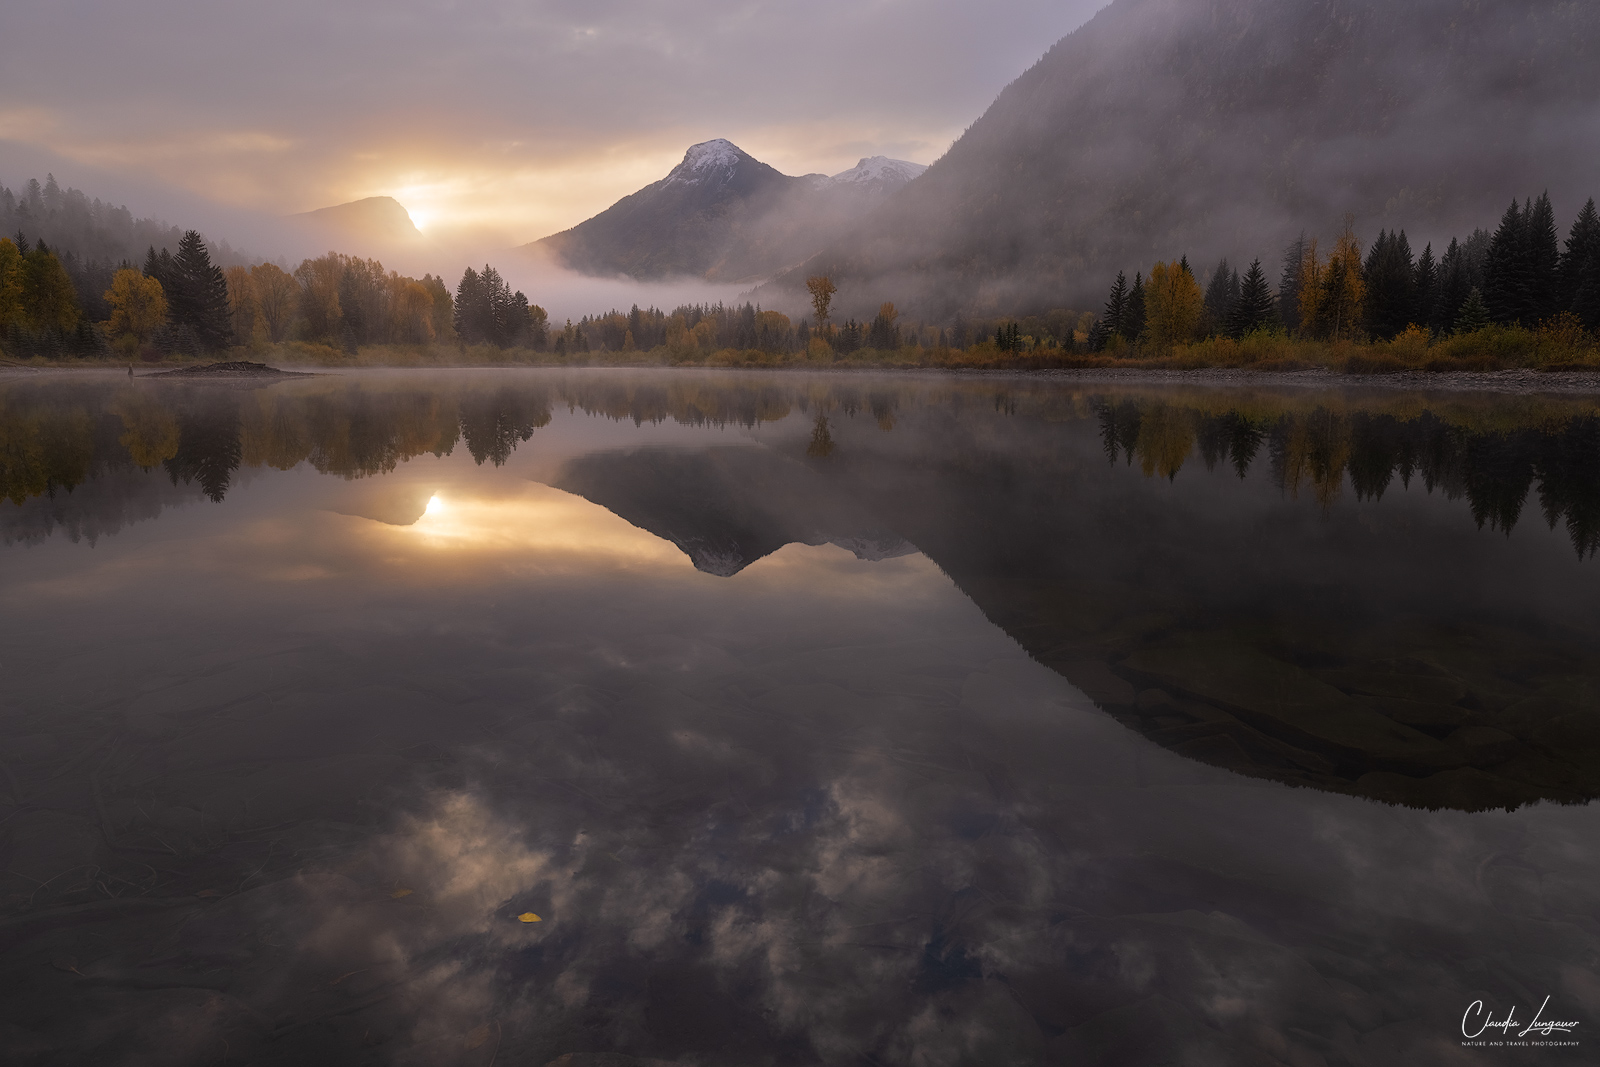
820,810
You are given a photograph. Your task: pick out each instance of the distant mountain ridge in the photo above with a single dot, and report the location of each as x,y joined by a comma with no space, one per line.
1224,127
879,173
727,507
724,215
377,227
382,217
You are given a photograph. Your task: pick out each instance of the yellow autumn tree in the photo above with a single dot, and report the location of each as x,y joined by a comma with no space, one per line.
1173,303
49,300
276,294
243,305
413,313
705,334
1316,451
681,343
1344,289
821,288
138,306
1166,437
1309,298
273,432
10,284
319,295
149,429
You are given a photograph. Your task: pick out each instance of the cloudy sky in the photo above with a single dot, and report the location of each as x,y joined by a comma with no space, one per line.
509,120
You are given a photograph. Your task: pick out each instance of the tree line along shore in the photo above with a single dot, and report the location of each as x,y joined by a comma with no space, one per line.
1535,460
1518,297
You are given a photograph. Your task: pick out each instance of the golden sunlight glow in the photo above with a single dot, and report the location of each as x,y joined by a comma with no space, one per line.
541,525
518,197
459,189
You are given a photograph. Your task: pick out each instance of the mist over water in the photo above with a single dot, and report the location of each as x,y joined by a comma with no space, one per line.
567,294
1167,128
813,717
667,716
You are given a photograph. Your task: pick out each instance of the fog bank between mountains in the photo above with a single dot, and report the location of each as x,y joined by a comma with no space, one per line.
1207,128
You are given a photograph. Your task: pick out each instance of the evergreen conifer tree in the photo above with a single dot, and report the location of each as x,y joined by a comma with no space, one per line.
1544,263
471,309
1507,288
519,320
197,296
883,335
1289,284
1099,336
1007,337
1586,302
1580,268
1474,314
1391,286
1475,250
1427,288
1221,296
1116,312
159,267
1133,320
488,312
1454,284
1256,307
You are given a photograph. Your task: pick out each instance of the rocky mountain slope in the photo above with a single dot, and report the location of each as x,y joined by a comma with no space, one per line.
1225,127
724,215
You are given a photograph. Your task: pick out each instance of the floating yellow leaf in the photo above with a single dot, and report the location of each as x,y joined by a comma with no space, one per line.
478,1036
398,893
529,917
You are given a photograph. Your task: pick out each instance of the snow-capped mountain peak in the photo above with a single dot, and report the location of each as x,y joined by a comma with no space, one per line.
722,213
716,158
880,169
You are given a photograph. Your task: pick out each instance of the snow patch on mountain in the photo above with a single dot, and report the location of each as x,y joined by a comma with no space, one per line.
880,169
723,214
708,159
716,160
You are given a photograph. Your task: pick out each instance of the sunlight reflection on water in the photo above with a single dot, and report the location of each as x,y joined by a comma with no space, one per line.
794,756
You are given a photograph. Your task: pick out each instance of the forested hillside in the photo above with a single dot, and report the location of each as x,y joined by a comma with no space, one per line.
1213,128
89,236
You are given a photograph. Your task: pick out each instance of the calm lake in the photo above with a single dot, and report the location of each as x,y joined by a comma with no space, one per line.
617,718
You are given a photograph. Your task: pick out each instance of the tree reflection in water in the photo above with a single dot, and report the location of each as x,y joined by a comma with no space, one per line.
793,804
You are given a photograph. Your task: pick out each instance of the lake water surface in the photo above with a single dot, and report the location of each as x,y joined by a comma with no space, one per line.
612,718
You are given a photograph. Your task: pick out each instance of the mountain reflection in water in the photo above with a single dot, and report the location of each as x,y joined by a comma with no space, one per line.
745,721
